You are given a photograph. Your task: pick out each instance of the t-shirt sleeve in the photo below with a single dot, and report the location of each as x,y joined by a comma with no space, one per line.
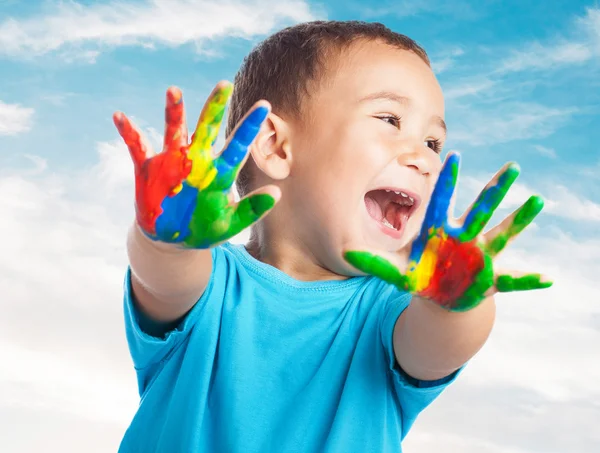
150,342
414,394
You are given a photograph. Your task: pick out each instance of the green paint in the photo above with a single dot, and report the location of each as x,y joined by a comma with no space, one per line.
216,220
248,211
479,274
521,219
487,202
378,267
508,283
475,294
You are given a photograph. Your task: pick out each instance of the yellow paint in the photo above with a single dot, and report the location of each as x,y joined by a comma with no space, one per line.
203,171
177,189
426,267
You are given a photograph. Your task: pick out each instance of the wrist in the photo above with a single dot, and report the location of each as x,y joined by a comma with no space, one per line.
140,239
437,307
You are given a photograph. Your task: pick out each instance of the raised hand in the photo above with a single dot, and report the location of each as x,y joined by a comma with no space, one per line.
453,265
183,194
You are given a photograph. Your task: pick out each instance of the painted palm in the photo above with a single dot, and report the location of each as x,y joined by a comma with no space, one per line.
183,194
453,265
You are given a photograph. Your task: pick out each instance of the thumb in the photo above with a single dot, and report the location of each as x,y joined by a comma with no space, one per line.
253,207
383,265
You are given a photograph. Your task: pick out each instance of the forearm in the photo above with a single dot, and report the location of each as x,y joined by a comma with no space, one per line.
431,342
166,280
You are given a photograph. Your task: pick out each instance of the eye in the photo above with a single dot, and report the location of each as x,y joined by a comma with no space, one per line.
391,119
435,145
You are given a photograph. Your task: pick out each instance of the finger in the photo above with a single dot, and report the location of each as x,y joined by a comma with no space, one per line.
175,127
377,266
138,148
521,282
252,208
209,122
229,162
497,238
482,210
437,212
203,171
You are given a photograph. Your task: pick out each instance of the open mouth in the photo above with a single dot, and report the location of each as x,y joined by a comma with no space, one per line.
391,208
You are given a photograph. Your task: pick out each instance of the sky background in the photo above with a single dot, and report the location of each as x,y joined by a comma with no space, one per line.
522,82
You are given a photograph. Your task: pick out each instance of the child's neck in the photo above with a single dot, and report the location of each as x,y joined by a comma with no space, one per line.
287,254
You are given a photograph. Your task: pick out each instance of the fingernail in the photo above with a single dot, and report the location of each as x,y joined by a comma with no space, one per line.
258,115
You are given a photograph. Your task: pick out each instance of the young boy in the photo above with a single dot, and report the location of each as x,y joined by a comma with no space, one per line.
282,345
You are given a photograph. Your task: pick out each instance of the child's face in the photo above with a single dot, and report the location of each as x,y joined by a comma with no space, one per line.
349,143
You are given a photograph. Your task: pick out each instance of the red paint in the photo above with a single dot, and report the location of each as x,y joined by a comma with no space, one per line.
157,177
175,128
457,264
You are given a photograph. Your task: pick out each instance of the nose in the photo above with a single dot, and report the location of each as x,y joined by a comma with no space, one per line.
418,156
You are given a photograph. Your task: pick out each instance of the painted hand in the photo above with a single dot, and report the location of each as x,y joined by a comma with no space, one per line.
183,195
453,265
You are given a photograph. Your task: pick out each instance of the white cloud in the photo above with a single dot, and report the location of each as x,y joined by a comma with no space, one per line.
471,88
560,201
590,25
81,31
507,121
540,57
583,47
15,119
545,151
446,60
57,99
61,268
591,170
564,203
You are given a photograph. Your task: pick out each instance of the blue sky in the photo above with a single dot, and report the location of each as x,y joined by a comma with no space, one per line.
522,83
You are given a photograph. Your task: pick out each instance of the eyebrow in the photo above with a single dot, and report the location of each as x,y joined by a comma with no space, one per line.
441,123
403,100
387,96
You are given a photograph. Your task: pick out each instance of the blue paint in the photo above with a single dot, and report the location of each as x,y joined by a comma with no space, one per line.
177,213
236,150
437,211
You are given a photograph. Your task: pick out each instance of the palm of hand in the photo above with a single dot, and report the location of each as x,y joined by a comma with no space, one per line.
183,195
453,266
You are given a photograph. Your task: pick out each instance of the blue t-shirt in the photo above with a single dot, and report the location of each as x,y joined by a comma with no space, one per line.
266,363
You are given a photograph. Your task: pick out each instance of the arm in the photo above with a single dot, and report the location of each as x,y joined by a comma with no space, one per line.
451,276
431,342
184,203
166,280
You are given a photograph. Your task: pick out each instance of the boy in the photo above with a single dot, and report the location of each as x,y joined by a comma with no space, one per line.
282,345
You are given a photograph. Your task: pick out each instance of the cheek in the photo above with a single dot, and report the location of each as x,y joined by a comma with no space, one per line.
437,165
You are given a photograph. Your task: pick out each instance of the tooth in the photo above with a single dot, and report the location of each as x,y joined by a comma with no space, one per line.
386,223
397,193
387,190
411,199
403,194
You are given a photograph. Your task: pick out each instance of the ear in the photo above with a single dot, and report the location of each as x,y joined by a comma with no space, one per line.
271,149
